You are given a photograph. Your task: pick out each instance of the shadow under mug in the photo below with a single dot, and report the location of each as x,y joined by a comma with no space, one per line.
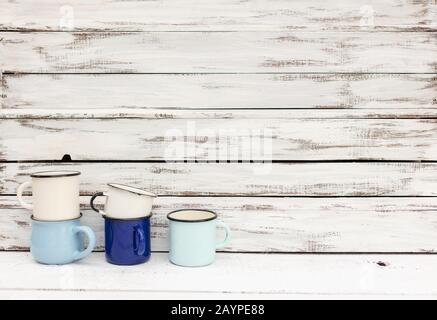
60,242
193,237
127,241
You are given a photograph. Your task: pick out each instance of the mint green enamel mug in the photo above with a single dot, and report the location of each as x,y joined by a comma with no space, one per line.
193,237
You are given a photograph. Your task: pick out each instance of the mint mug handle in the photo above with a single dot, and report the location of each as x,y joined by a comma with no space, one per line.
98,194
228,235
140,239
91,241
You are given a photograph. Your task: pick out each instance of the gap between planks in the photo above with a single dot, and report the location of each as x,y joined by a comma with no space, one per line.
182,161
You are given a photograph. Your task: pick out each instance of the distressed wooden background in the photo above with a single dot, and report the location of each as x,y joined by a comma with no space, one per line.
347,88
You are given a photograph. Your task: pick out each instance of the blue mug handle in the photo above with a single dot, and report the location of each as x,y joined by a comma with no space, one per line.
140,239
91,241
228,235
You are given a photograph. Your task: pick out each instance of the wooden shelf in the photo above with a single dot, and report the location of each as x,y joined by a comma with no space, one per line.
232,276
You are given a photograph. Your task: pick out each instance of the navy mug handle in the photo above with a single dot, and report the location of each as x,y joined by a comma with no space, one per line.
98,194
140,239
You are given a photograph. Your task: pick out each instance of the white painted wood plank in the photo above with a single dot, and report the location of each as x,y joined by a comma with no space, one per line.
195,114
275,224
219,91
324,276
217,15
246,179
228,138
215,52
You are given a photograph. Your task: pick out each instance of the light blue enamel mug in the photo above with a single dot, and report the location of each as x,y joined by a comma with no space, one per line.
60,242
193,237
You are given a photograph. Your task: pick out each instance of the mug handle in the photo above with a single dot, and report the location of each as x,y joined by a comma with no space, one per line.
98,194
140,238
228,235
91,239
20,195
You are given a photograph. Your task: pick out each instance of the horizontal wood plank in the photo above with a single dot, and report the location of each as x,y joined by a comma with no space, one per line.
216,114
229,138
218,91
218,52
279,275
189,15
245,179
275,224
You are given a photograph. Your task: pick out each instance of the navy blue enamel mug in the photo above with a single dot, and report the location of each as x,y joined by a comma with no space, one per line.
127,242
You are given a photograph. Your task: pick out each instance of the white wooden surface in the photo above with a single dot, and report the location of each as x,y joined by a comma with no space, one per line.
191,15
168,138
217,114
218,52
276,224
352,179
232,276
347,87
219,91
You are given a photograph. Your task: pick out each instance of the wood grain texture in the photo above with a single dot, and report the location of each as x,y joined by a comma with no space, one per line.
217,114
246,179
218,91
217,52
257,138
279,275
189,15
121,79
275,224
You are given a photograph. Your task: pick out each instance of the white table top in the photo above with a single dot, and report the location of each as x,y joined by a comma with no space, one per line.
232,276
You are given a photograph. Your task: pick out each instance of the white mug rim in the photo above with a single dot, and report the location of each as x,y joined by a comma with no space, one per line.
132,189
214,216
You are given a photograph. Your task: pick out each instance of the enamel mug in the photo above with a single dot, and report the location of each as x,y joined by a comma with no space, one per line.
124,202
193,237
55,195
127,242
60,242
